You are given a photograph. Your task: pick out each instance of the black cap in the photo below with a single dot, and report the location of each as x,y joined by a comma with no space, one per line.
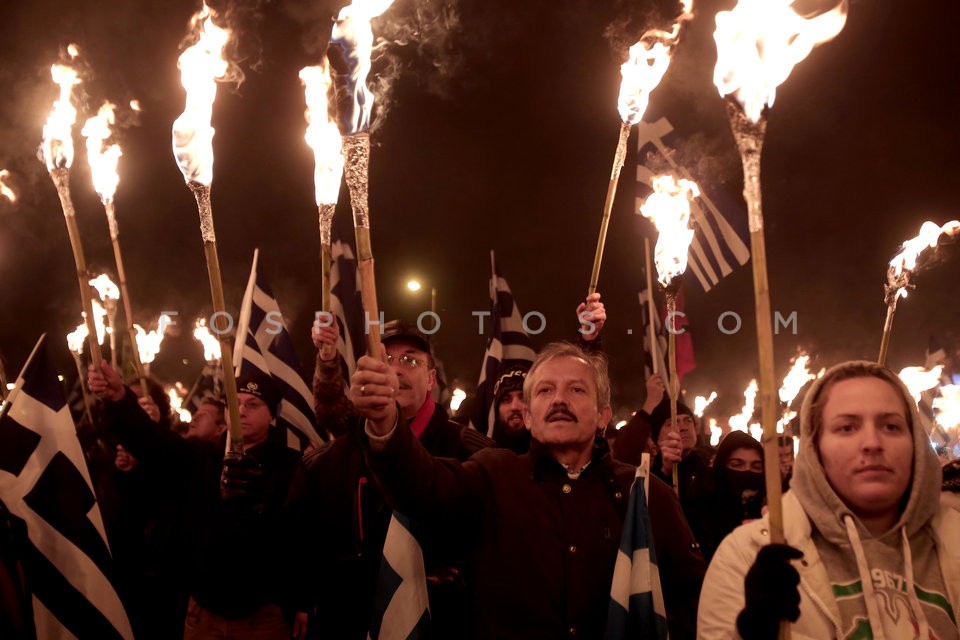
261,385
395,330
510,380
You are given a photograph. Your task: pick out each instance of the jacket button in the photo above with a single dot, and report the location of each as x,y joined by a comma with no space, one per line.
567,489
573,548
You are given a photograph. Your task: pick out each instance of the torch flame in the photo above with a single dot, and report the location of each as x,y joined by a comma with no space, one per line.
177,393
700,403
904,263
57,146
148,342
5,190
796,378
920,379
669,208
353,32
211,346
201,65
758,44
322,135
76,339
73,50
105,287
646,66
103,159
740,421
715,432
135,105
946,406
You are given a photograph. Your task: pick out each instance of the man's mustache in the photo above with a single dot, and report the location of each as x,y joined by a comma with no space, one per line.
561,410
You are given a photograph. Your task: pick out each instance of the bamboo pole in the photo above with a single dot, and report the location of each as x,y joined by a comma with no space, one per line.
61,180
356,149
202,193
608,204
749,137
125,294
673,387
651,328
83,388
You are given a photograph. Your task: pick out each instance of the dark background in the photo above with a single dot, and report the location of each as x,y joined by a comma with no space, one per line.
498,133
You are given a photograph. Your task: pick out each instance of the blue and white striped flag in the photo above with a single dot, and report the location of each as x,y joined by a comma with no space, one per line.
717,246
263,343
346,306
508,345
636,599
44,482
401,608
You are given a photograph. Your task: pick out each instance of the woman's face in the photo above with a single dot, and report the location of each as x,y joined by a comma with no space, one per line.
865,445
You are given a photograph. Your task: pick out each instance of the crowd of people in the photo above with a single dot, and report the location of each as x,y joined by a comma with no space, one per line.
520,531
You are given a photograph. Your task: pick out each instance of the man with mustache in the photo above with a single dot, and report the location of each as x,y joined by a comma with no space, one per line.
542,529
509,430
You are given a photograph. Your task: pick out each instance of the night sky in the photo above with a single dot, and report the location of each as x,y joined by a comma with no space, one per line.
498,133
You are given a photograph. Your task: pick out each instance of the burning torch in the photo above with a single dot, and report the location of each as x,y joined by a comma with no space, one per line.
201,65
56,150
324,138
648,61
353,33
669,208
758,44
103,161
5,190
902,269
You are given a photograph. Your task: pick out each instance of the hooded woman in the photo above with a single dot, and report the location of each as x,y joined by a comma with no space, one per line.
733,494
871,553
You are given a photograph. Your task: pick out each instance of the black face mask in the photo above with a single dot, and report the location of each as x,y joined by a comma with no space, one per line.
748,486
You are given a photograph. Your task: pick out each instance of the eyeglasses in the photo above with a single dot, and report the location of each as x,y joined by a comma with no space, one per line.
405,360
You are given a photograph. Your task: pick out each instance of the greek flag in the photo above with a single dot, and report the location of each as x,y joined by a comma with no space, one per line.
636,600
263,343
44,483
346,306
508,344
717,246
658,350
401,607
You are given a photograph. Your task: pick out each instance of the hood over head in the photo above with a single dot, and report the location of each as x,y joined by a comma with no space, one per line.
810,484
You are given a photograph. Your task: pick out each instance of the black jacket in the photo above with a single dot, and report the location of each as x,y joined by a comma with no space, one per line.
336,509
232,559
542,546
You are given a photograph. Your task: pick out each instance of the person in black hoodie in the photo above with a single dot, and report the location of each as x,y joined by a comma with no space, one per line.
732,494
228,534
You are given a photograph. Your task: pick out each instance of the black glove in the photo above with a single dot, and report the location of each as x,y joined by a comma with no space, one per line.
242,483
771,594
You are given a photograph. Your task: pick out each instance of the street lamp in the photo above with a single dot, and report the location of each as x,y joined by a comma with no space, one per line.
415,285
